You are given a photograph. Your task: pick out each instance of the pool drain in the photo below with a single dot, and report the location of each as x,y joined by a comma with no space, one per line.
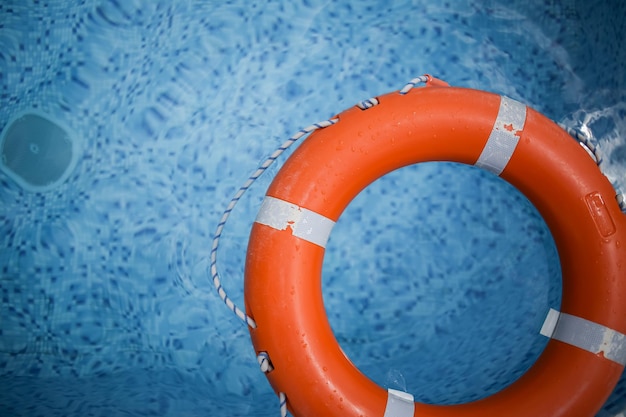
36,152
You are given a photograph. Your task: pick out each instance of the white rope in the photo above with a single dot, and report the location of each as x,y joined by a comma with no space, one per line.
586,140
283,404
367,104
621,200
264,362
233,202
413,83
263,358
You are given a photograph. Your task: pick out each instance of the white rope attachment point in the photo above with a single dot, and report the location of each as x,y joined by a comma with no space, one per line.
413,83
585,138
621,200
263,358
264,362
367,104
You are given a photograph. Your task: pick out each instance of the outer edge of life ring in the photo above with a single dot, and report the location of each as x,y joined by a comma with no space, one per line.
434,123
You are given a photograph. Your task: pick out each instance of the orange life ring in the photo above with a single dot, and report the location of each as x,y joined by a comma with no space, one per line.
436,123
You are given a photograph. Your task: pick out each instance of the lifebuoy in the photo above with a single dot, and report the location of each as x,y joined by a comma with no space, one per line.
586,354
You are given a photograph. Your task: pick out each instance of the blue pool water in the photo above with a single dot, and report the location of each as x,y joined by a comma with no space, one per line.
436,279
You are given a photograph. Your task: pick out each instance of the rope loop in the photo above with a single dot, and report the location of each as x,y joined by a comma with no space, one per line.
363,105
233,202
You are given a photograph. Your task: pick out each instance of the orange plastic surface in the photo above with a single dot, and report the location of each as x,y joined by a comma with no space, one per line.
283,273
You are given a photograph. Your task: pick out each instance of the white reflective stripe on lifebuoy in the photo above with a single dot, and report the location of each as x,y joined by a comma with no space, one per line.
399,404
504,136
304,223
585,334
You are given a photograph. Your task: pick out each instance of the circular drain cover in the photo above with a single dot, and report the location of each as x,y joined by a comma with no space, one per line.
36,152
